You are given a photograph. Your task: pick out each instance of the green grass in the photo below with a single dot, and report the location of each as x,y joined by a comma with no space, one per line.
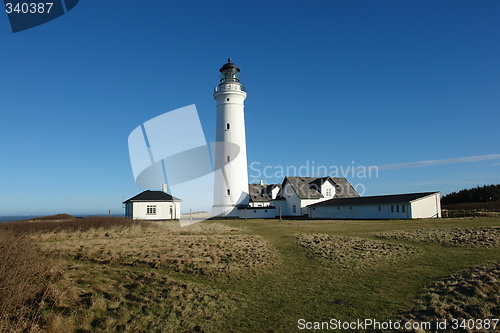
130,296
315,289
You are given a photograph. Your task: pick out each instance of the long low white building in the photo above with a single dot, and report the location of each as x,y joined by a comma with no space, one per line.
396,206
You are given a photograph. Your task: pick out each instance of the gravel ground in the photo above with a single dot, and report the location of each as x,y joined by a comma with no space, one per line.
472,237
354,252
472,295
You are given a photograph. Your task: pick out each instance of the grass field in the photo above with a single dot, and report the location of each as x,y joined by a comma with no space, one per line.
255,276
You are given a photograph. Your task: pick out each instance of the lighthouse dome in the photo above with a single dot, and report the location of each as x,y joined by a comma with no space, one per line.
229,66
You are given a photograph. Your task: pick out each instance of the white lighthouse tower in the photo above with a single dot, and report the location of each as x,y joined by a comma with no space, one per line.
231,175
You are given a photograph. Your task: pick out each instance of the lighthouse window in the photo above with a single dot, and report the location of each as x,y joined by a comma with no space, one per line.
228,159
227,99
228,192
227,126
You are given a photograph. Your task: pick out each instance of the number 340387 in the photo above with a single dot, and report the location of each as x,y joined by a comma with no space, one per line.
29,8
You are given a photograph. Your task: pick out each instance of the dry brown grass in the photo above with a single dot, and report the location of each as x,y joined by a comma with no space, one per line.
205,249
354,252
61,223
470,294
25,275
94,274
469,237
99,298
124,276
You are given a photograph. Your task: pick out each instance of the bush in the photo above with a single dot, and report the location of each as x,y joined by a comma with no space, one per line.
484,193
55,217
492,206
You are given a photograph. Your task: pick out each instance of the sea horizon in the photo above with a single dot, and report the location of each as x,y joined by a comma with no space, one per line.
12,218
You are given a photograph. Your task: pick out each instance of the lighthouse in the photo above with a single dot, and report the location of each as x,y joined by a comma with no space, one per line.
231,175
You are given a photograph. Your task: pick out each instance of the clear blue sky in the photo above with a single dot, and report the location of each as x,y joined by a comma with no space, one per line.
340,83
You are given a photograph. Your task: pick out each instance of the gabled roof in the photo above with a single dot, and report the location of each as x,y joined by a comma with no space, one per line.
153,196
261,193
374,200
344,189
308,187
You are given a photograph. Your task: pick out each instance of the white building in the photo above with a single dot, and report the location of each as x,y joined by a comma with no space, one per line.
300,192
396,206
263,195
292,197
153,205
231,174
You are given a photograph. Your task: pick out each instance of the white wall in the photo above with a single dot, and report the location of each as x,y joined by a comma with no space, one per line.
427,207
162,210
275,191
386,211
324,190
259,213
231,143
300,204
291,199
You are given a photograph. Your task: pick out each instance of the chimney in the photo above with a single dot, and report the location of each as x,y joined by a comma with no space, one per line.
164,188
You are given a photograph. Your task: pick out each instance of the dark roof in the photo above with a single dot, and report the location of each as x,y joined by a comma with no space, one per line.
259,193
344,189
307,187
229,65
153,196
374,200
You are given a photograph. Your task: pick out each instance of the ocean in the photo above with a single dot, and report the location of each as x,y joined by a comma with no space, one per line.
27,217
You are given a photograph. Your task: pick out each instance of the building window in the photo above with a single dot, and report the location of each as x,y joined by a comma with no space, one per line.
228,159
294,208
227,99
328,192
392,209
227,126
228,192
265,211
397,208
403,208
379,208
151,210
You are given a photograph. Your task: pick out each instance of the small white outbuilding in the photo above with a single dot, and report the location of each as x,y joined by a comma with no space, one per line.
153,205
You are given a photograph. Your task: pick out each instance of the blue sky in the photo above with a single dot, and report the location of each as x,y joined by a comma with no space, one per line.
329,83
